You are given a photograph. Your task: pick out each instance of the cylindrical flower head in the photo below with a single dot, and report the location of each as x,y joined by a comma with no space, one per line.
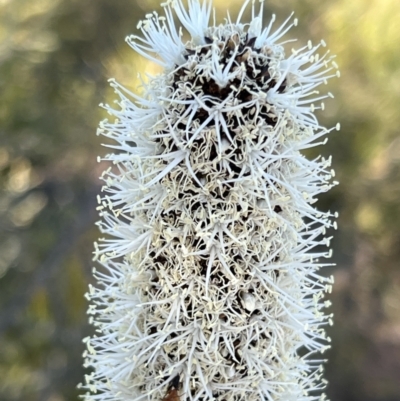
209,286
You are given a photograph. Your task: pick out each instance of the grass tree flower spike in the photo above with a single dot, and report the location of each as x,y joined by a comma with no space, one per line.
210,286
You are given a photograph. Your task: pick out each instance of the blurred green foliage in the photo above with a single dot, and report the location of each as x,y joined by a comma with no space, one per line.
55,58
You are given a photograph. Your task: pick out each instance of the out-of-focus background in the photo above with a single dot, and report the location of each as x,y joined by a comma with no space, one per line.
55,58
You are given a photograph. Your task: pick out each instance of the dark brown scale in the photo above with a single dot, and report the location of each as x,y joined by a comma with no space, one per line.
242,45
243,57
172,393
233,42
251,42
264,75
189,52
282,88
212,88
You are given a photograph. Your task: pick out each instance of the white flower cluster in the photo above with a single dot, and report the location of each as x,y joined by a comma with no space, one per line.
209,286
